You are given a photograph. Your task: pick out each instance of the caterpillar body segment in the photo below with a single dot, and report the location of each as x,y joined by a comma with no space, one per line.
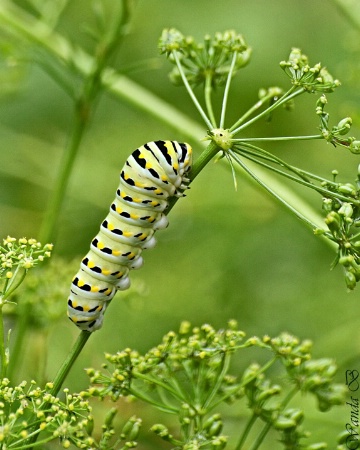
152,175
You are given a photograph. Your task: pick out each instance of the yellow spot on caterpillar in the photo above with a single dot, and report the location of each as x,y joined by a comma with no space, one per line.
81,283
74,304
105,272
116,252
100,245
94,289
136,200
134,216
139,185
154,203
164,178
127,234
108,291
131,255
86,308
91,264
110,226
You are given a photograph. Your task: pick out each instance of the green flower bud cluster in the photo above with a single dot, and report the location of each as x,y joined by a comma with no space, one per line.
27,410
311,79
336,133
17,256
187,375
55,419
291,432
316,377
210,60
343,220
24,253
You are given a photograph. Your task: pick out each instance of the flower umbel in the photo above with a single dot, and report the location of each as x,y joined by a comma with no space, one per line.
311,79
17,256
207,62
187,375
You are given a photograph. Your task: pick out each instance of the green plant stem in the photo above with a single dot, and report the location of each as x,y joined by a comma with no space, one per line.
227,89
208,103
250,111
157,382
289,95
224,368
52,213
17,342
3,357
191,92
246,432
300,216
300,179
260,437
279,138
12,286
69,361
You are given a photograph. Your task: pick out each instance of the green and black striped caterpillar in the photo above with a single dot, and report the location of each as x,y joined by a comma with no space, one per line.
153,174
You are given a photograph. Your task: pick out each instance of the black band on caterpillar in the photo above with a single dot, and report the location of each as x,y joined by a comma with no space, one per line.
153,174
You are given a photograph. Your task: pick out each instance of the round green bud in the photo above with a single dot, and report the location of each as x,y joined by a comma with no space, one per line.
355,147
350,280
344,125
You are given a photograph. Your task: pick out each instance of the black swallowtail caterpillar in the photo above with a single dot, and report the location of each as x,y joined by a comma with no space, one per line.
153,174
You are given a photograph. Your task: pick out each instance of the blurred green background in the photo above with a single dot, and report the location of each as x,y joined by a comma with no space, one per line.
226,254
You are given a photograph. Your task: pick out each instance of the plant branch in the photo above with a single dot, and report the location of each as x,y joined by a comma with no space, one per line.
191,92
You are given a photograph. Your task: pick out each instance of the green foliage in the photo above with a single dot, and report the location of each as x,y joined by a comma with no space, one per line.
27,411
189,374
193,60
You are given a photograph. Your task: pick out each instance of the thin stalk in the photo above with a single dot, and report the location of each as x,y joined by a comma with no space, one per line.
226,90
260,437
301,180
274,194
279,138
250,111
159,383
290,94
30,445
208,102
3,357
191,92
150,401
267,426
216,387
261,153
246,432
69,361
52,213
16,347
12,286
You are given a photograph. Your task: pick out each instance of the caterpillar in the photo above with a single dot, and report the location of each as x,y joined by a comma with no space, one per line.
151,176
